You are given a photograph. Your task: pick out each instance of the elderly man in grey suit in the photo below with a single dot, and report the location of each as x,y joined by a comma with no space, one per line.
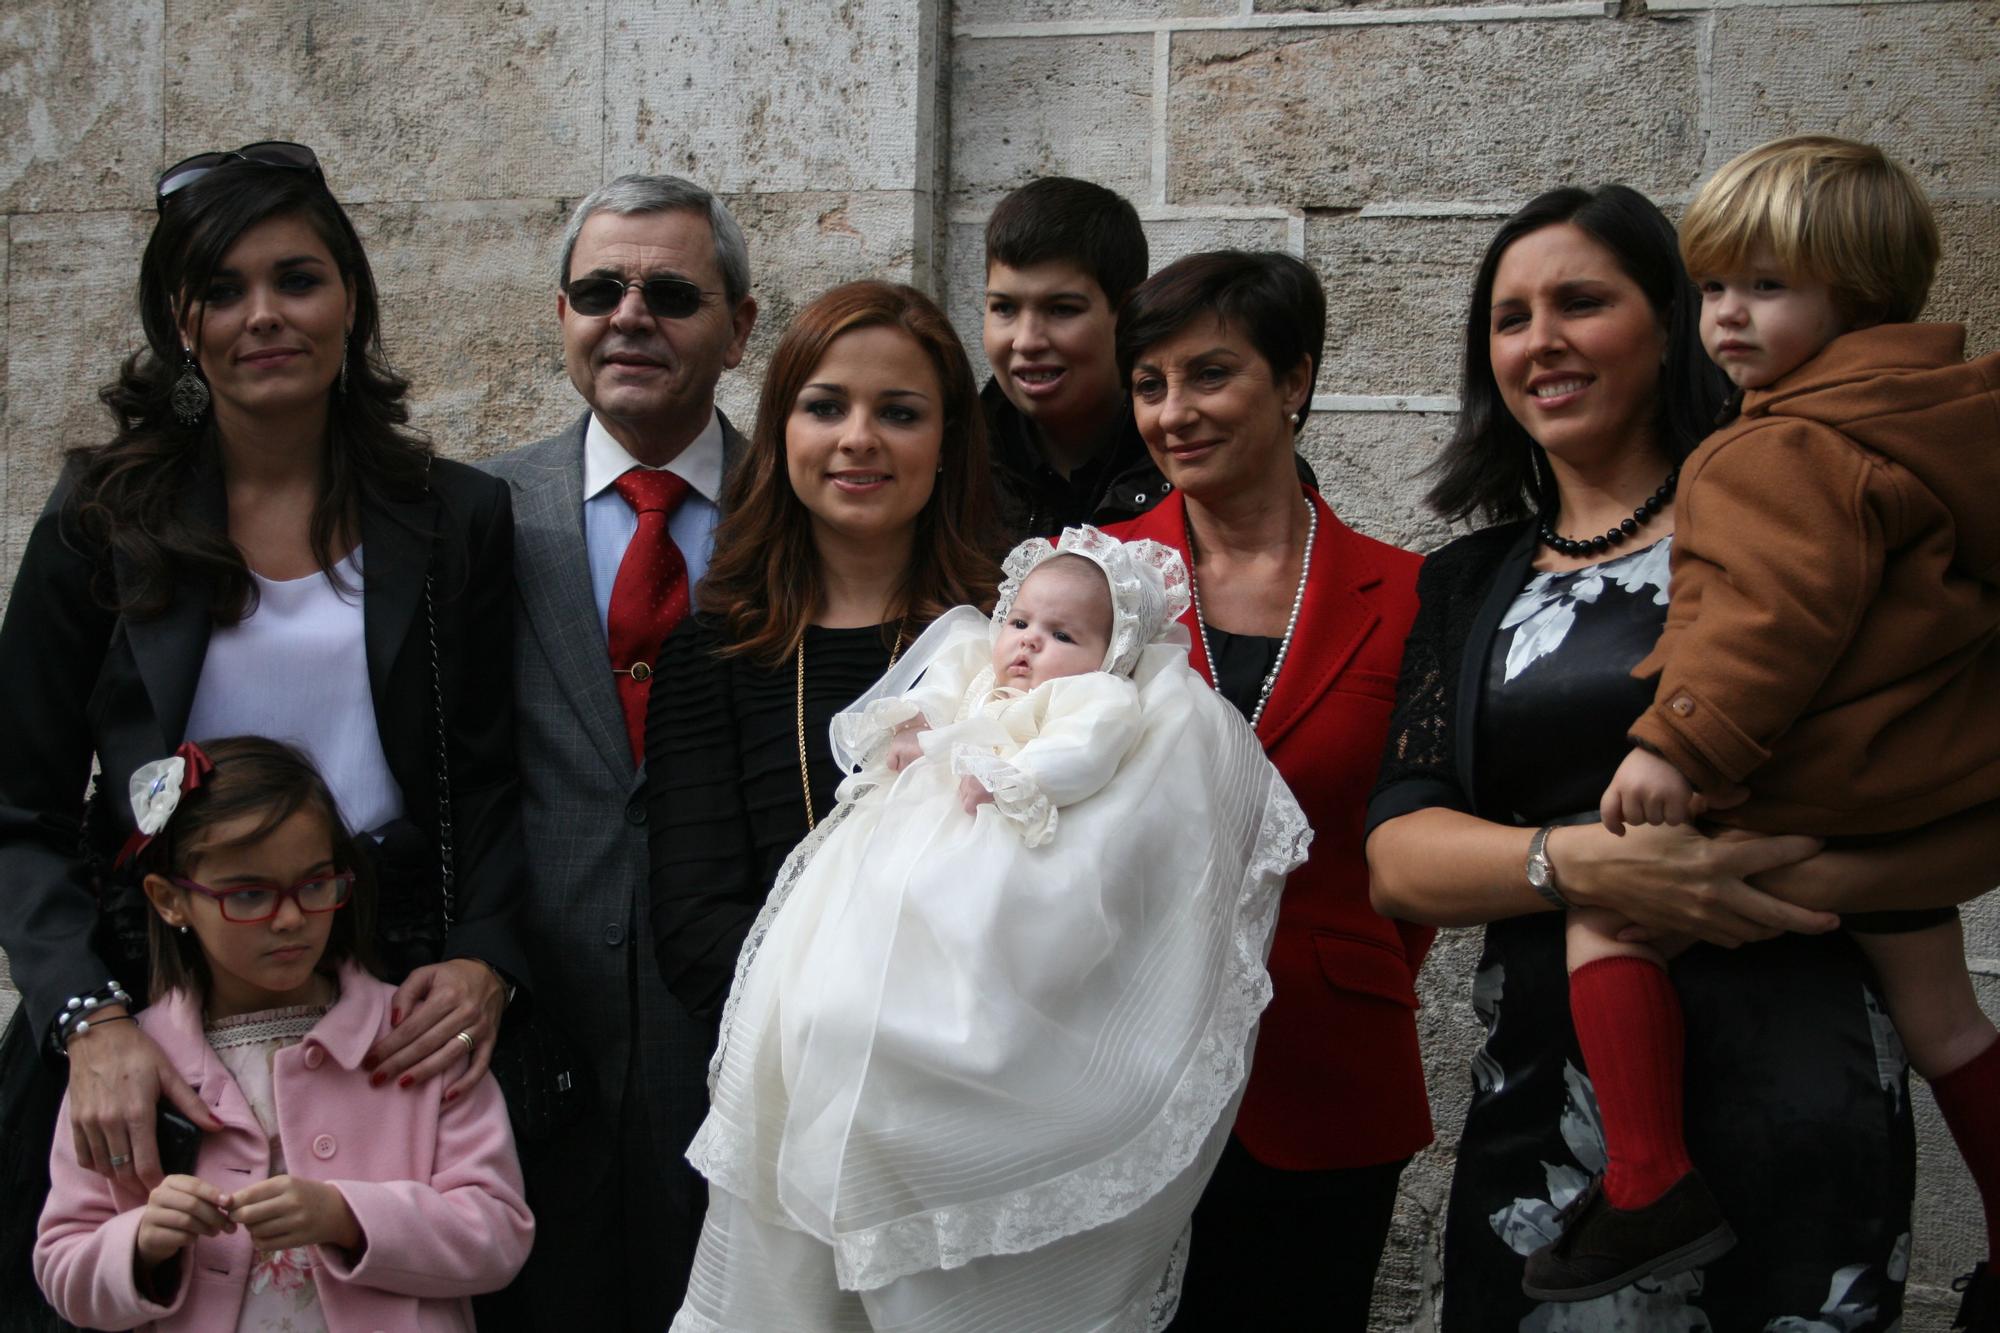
613,520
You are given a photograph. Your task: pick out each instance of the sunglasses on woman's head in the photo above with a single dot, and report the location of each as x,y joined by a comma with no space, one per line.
252,903
269,153
666,298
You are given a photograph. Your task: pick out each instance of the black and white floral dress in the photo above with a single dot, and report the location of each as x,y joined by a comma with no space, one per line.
1515,697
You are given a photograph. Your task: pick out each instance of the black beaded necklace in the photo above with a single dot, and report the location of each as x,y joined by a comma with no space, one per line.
1575,546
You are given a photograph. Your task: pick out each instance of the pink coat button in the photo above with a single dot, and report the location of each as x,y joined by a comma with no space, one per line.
324,1146
315,1057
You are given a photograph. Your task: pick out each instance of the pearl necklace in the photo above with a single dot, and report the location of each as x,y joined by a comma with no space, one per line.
1291,625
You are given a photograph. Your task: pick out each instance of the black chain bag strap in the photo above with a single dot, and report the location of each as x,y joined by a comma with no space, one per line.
546,1086
31,1090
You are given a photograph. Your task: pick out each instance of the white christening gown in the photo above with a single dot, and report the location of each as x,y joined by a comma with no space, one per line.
975,1069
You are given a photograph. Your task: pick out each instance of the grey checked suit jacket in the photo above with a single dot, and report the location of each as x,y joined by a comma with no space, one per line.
584,811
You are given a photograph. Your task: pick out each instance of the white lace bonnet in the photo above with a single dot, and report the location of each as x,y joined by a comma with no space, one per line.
1149,587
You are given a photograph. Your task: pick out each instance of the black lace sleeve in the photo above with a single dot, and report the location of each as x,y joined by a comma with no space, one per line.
1419,761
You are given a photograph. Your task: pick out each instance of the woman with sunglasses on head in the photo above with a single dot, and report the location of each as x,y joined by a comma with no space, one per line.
859,512
262,547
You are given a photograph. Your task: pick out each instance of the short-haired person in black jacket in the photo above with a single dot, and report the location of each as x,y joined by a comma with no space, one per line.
1061,254
1061,257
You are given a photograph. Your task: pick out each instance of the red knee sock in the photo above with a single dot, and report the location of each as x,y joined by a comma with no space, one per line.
1969,1097
1628,1022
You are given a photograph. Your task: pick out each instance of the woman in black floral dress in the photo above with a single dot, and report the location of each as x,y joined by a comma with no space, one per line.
1584,386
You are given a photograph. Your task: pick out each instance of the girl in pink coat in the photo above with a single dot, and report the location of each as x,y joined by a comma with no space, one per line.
318,1205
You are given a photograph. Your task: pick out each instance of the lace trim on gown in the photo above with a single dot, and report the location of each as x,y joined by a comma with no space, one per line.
1090,1196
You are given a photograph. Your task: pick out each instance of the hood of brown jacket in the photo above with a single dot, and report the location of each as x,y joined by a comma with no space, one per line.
1907,392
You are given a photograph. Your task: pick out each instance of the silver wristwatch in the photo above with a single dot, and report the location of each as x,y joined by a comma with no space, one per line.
1542,871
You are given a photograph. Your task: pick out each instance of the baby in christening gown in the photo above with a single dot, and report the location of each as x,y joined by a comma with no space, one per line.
987,1038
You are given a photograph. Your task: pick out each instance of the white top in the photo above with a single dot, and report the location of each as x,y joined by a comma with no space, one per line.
296,670
608,522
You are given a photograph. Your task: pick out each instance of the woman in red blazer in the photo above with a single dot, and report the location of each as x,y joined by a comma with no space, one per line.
1299,621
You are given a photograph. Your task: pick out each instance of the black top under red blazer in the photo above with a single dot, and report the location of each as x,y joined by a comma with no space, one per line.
77,679
1337,1080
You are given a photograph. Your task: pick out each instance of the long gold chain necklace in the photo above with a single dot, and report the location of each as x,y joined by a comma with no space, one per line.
799,713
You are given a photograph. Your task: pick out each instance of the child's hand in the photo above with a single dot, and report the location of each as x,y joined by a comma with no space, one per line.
285,1212
972,795
904,749
1647,789
179,1211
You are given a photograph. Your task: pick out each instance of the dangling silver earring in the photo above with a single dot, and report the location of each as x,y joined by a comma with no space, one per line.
190,394
183,929
343,366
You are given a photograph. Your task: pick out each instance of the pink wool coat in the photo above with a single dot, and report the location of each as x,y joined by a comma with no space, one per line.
435,1186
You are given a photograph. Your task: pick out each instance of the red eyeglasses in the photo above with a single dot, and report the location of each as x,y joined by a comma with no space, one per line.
260,902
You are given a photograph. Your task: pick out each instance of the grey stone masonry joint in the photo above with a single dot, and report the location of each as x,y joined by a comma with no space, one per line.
1195,213
1384,402
1418,208
1568,9
1163,54
1669,6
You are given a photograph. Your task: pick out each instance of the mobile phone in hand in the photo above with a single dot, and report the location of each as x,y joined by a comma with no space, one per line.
179,1140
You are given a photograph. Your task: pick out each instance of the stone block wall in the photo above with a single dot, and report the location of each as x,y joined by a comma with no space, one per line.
1380,139
459,134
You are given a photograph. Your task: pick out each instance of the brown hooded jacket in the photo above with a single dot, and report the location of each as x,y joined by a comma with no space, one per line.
1834,636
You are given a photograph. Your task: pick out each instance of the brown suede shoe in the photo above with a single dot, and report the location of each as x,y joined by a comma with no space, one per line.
1603,1248
1979,1312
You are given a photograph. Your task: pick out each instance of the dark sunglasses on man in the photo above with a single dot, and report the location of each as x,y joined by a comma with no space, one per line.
269,153
666,298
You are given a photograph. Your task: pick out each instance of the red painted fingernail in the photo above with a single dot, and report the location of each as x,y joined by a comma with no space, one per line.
406,1080
451,1096
395,1017
377,1080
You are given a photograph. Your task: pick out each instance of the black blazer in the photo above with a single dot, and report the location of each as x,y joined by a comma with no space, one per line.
80,680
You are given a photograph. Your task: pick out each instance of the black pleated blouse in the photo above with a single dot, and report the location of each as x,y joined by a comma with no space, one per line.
724,800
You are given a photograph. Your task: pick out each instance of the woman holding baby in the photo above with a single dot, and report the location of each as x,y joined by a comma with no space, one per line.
985,1039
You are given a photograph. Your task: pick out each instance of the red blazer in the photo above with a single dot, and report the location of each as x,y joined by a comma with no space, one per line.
1337,1080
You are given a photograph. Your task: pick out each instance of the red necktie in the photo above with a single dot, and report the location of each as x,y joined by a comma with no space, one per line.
649,596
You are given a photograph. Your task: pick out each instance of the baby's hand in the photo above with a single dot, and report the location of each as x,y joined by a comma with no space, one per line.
179,1211
285,1212
972,795
1647,789
904,748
